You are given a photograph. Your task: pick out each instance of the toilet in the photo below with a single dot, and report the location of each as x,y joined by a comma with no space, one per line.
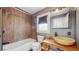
36,46
40,38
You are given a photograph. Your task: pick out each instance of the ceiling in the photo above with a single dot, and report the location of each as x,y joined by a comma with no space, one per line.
31,10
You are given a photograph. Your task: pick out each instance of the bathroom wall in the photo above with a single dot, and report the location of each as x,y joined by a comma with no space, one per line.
62,32
16,25
77,26
0,29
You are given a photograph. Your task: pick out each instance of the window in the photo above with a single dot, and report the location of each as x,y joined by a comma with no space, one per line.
43,23
60,21
43,26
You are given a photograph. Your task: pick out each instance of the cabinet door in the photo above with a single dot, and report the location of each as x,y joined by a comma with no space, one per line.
0,29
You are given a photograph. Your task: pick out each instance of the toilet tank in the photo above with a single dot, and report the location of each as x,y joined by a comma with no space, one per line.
40,38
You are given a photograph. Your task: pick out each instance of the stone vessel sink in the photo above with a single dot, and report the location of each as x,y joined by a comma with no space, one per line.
64,40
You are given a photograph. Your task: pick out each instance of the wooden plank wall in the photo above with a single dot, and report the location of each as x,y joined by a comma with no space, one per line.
17,25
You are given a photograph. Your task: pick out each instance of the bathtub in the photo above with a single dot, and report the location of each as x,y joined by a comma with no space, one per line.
23,45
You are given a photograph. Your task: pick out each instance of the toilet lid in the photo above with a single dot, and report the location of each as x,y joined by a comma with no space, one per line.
36,44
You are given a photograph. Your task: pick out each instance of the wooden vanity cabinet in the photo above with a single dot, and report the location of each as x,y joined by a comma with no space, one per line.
58,47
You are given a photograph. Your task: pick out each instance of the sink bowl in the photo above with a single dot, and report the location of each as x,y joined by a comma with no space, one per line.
64,40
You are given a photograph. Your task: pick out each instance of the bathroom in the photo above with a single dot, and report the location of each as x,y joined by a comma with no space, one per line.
21,27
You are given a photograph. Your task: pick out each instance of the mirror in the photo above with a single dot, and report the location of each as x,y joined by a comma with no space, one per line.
60,21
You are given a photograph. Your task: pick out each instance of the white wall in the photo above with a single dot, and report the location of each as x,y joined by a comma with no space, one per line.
77,26
63,32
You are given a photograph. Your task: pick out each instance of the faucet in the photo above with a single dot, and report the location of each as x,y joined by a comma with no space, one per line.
56,34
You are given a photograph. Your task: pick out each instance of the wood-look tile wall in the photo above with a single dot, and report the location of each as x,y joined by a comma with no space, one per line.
17,25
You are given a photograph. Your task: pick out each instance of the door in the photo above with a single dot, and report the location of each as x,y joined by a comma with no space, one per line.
0,29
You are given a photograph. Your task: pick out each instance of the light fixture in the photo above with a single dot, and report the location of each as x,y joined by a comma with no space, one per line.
57,10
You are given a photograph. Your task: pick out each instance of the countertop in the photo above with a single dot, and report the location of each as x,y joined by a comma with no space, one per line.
62,47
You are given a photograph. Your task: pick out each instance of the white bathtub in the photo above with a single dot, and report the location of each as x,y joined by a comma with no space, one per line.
23,45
